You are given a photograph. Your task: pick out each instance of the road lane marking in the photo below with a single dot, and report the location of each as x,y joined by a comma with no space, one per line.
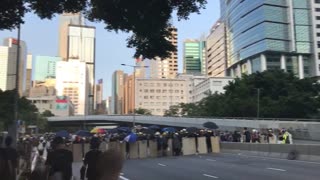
123,178
162,165
211,160
210,176
276,169
299,161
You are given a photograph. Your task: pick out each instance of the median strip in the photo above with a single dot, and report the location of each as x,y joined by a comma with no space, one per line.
210,176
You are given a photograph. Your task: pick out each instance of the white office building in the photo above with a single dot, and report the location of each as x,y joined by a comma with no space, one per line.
71,81
81,47
8,61
157,95
209,85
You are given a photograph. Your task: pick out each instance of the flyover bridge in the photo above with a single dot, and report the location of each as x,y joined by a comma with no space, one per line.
302,129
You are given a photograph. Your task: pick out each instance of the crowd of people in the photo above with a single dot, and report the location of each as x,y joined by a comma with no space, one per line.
271,136
48,157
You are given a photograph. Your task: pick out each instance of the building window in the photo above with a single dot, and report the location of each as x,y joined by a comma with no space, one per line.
151,97
176,91
317,1
145,97
151,90
146,90
318,26
318,34
164,91
317,9
158,90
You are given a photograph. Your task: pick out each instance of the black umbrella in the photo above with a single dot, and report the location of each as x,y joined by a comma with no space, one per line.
210,125
154,127
83,133
147,131
192,129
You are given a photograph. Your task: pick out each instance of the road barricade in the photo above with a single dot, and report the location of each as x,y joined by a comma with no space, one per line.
202,145
188,146
77,152
153,150
215,143
143,149
134,150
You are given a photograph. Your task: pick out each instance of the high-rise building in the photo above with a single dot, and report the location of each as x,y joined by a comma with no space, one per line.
267,34
99,95
129,94
166,68
28,83
118,79
45,68
8,61
315,10
67,19
71,81
194,56
81,47
216,51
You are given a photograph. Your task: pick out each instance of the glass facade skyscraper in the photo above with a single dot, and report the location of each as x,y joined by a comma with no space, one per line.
268,34
194,57
45,67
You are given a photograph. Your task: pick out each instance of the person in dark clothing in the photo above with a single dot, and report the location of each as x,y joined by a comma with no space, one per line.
176,144
11,157
247,135
91,158
60,160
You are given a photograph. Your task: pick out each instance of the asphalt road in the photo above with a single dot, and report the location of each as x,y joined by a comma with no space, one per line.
217,166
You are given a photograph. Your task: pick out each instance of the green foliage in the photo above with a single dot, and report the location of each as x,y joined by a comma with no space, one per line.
26,110
282,95
147,20
142,111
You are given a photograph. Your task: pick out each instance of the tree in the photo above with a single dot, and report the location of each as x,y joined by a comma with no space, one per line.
26,111
42,120
282,95
142,111
173,111
147,20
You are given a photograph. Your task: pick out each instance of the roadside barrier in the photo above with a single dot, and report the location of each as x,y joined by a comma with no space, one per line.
284,151
144,149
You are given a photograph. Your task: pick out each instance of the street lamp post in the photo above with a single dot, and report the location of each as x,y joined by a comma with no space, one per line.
134,90
258,103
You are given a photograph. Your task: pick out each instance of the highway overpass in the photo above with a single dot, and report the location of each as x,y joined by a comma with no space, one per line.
302,129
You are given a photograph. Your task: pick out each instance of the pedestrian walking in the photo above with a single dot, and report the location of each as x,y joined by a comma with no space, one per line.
59,161
90,160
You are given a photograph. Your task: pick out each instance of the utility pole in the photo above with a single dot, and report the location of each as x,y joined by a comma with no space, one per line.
258,103
13,128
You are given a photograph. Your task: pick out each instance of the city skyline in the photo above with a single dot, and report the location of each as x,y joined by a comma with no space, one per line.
44,40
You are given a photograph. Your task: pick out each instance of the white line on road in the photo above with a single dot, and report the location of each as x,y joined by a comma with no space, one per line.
123,178
275,169
210,176
211,160
299,161
162,165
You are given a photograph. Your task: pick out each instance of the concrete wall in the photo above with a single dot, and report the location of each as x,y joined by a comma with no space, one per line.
304,152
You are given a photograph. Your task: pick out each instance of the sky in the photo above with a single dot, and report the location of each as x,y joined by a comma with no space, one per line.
41,37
